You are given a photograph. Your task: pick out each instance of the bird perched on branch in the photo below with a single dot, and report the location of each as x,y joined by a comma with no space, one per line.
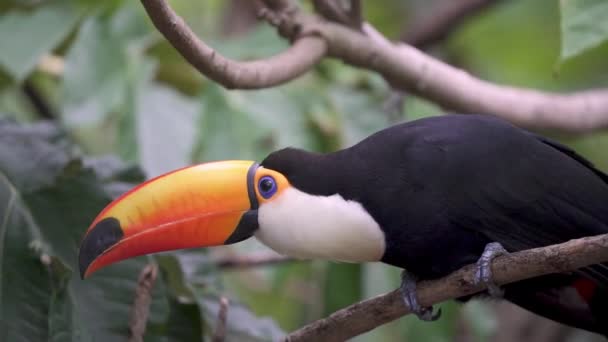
429,196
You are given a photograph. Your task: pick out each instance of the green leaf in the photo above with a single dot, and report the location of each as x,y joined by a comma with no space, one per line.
17,142
261,42
95,78
44,213
190,280
185,321
27,36
225,131
103,61
165,128
359,112
584,25
251,124
24,296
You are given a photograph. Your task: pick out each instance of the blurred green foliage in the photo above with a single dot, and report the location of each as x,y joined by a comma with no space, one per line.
122,96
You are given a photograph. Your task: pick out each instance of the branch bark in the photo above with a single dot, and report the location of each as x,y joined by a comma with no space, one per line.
368,314
410,69
298,59
219,335
404,66
141,305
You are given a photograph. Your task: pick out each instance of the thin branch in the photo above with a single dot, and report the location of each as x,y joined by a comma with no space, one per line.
411,70
298,59
368,314
219,334
252,260
443,20
433,28
405,68
141,305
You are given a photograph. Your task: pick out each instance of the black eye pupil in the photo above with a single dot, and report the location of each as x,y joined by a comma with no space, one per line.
266,185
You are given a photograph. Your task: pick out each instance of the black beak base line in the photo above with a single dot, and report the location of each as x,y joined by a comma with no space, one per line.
105,234
249,221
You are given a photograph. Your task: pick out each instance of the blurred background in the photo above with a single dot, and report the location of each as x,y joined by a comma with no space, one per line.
94,100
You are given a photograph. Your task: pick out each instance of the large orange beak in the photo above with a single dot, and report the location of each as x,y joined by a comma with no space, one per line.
204,205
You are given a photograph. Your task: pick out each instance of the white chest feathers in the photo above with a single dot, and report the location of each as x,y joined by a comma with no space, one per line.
318,227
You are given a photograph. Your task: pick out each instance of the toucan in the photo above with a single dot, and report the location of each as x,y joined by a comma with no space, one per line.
428,196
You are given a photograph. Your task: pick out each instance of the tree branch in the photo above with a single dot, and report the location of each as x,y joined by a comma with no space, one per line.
409,69
299,58
405,67
141,306
368,314
445,18
219,335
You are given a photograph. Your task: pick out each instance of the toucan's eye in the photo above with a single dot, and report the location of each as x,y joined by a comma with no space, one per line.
267,186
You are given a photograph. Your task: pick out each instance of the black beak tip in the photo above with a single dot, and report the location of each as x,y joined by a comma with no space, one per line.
104,234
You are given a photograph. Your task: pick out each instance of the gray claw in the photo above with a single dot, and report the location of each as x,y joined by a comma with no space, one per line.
484,268
408,288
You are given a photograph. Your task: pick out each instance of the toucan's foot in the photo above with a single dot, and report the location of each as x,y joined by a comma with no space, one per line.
484,268
410,298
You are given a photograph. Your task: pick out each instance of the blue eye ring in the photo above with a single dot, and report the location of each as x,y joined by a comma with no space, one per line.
267,186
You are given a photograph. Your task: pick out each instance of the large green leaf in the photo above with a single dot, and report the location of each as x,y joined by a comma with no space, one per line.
92,92
27,36
251,124
101,64
45,211
164,128
492,47
225,131
584,25
192,280
48,196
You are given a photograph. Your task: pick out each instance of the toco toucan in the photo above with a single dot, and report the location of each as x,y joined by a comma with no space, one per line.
429,196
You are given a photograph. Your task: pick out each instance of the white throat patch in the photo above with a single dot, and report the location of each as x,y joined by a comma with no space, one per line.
319,227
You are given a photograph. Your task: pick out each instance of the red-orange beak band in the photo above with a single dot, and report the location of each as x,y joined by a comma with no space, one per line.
204,205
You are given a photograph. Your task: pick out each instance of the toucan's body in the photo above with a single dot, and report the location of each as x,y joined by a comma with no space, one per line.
426,196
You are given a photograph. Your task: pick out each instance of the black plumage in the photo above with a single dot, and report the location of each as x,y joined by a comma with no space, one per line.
442,188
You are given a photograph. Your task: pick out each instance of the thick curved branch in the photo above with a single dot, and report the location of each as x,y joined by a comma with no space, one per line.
298,59
368,314
404,66
412,70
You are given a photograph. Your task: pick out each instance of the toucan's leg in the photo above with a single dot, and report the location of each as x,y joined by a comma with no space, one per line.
484,268
410,298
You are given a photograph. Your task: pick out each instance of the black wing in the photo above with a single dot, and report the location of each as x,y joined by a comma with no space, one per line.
527,191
